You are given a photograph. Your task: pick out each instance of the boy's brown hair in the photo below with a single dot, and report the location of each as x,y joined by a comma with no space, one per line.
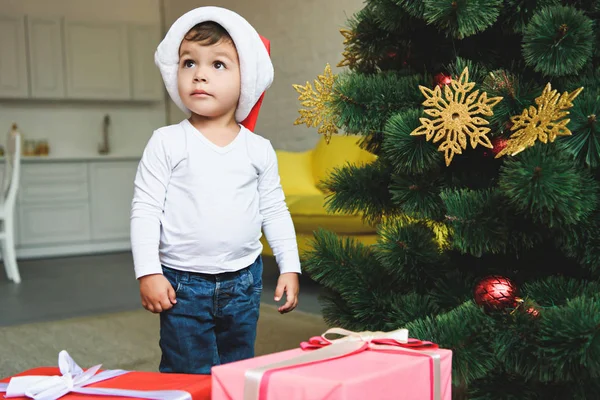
208,33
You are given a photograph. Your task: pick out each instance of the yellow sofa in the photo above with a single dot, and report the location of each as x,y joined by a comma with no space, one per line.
300,174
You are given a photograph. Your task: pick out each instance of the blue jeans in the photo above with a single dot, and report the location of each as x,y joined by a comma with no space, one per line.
214,319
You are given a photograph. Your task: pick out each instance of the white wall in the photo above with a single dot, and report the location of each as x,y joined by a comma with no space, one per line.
304,36
75,128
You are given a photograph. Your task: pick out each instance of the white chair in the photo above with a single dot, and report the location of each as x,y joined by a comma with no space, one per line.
12,171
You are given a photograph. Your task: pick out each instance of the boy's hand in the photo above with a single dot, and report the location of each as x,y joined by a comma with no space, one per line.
288,284
157,293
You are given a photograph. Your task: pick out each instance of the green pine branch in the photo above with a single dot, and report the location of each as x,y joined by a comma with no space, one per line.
406,307
371,42
502,385
584,143
337,312
462,18
337,262
418,196
569,341
412,46
559,290
409,154
416,8
453,287
558,41
590,7
591,252
467,331
358,285
478,221
518,13
361,190
517,92
409,251
546,184
389,15
364,103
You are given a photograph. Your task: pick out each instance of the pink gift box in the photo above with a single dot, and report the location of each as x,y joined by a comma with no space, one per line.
370,374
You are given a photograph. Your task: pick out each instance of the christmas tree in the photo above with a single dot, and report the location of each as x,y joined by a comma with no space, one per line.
485,192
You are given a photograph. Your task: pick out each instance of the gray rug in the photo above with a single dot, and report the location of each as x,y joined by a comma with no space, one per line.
129,340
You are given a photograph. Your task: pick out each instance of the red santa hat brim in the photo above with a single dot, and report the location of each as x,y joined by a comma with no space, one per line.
250,121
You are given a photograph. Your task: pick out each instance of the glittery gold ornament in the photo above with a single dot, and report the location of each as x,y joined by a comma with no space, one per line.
456,116
351,58
316,100
543,123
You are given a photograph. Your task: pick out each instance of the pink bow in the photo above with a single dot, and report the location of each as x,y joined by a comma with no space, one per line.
397,338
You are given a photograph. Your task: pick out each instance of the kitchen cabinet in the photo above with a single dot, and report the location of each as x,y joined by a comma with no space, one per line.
53,204
97,60
74,206
59,58
111,185
146,80
46,61
53,224
14,82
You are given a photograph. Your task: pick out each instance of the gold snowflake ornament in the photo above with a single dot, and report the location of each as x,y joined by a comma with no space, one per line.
350,58
543,123
316,100
456,116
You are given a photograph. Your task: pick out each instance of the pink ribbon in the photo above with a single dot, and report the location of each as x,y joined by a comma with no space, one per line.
257,379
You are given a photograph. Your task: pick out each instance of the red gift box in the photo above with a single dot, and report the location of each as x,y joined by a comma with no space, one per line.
198,386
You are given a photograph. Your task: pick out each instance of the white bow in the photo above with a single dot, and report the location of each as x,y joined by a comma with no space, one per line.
74,379
54,387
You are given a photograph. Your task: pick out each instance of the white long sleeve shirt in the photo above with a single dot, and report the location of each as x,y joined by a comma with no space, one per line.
200,207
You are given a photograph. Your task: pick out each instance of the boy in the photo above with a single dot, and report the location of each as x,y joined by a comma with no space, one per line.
203,190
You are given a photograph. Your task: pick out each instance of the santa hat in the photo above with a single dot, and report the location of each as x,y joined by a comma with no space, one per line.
253,51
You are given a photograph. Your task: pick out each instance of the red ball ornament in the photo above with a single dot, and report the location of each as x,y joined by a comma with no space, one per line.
496,293
499,145
442,79
533,312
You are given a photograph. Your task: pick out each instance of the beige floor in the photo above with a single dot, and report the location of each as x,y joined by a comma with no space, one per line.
128,340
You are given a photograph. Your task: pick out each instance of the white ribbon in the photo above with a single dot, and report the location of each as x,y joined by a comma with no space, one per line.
348,344
73,380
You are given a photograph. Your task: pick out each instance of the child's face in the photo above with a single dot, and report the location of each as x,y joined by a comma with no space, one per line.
208,78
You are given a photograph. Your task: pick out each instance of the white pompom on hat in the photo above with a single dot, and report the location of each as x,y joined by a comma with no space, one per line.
256,68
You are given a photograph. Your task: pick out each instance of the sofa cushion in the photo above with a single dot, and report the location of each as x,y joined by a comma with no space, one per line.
309,214
295,171
341,150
